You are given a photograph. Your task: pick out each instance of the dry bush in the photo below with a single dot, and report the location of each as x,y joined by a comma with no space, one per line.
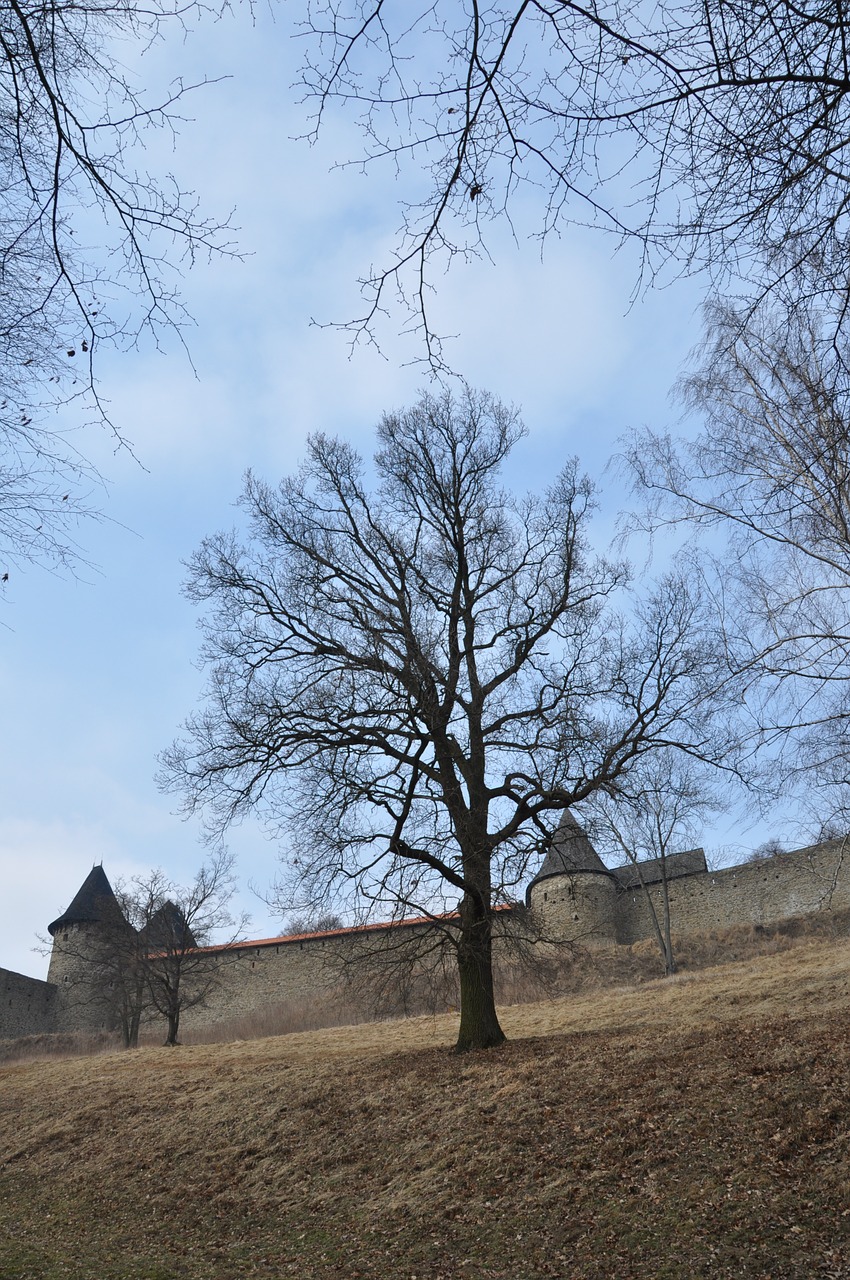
742,941
70,1044
285,1017
577,969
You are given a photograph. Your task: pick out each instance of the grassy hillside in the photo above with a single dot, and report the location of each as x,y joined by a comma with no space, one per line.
699,1127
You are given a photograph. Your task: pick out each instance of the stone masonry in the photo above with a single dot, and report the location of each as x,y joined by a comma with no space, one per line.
574,896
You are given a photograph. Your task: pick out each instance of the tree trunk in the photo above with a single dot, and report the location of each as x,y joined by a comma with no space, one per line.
479,1024
669,958
661,928
173,1024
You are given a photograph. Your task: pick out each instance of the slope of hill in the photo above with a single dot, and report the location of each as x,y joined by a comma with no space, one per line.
698,1127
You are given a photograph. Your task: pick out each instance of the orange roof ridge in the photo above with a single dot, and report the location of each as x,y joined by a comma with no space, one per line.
338,933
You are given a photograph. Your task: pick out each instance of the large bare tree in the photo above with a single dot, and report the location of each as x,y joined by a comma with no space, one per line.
91,244
413,681
715,133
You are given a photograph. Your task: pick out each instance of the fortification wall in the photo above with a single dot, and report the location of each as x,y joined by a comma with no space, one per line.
808,880
586,908
251,978
379,961
27,1005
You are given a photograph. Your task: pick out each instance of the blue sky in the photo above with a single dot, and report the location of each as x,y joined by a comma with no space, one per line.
96,674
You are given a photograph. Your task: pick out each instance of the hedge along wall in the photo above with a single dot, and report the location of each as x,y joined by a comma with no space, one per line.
806,881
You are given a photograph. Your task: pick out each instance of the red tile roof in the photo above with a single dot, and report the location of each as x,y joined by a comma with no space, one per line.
406,921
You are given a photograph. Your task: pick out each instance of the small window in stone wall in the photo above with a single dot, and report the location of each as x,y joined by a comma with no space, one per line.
545,897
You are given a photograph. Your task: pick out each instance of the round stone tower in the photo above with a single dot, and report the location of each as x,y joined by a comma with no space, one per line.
80,958
573,894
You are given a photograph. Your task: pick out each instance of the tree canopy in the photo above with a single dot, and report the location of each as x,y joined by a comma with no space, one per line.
769,472
90,244
716,134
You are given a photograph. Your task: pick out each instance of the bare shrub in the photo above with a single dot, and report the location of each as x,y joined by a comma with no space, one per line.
70,1044
285,1017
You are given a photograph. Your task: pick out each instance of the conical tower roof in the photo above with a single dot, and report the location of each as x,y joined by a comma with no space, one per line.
167,929
570,853
94,903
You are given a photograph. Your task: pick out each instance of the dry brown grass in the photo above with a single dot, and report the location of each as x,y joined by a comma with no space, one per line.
696,1127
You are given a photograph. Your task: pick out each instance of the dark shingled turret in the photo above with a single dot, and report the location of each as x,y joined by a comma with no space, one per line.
167,930
95,903
691,862
570,853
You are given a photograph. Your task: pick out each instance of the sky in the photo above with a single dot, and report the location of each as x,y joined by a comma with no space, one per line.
97,672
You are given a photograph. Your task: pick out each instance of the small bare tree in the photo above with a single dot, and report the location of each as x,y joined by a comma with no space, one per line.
321,922
412,684
177,926
653,814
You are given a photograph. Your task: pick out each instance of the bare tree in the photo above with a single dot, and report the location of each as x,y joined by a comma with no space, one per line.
715,134
413,683
769,474
149,952
114,970
71,121
653,815
176,927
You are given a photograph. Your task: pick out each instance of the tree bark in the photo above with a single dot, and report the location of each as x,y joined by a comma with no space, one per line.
173,1025
669,958
479,1023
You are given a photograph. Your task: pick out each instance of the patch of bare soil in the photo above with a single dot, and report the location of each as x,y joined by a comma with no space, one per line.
699,1127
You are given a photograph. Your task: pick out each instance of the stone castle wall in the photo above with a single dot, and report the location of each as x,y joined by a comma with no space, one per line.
252,978
298,971
801,883
589,908
27,1005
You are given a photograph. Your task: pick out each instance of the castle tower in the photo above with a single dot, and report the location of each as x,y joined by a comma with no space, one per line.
79,960
574,894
